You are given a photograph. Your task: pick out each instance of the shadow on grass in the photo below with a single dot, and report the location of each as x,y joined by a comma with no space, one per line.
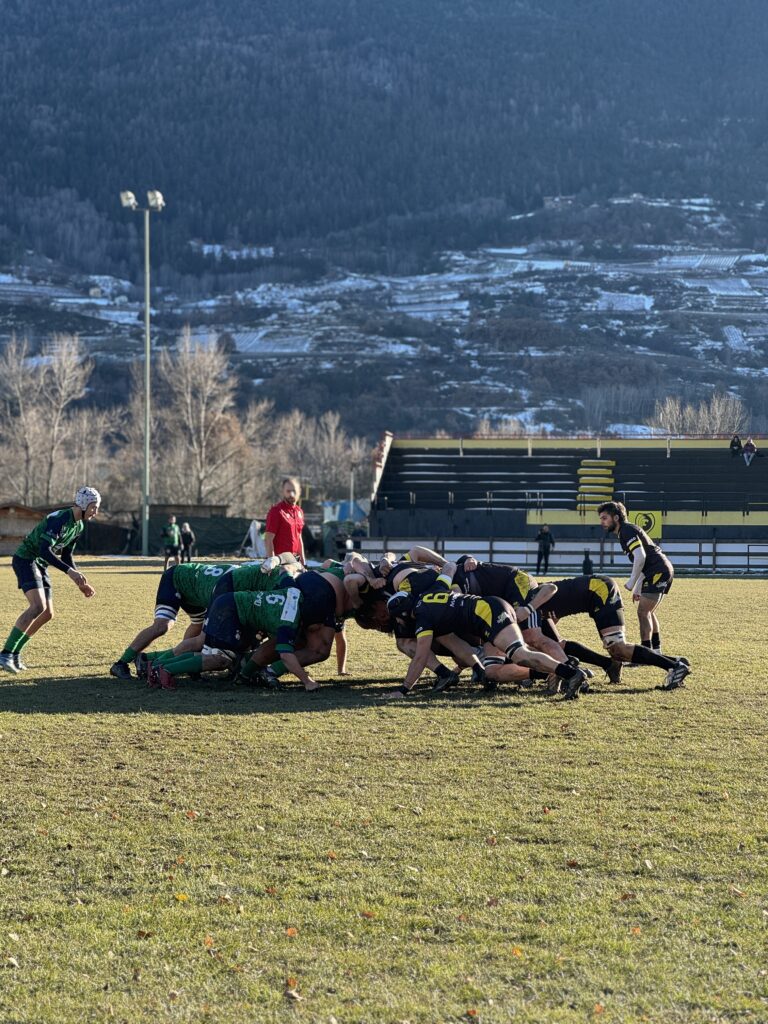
103,695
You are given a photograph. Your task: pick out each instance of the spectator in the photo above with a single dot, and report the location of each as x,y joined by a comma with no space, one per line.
171,541
546,543
735,445
187,542
750,451
285,521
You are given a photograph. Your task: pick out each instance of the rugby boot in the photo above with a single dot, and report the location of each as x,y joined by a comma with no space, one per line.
676,675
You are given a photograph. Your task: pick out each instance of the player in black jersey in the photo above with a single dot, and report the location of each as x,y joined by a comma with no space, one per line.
600,598
652,572
519,589
439,612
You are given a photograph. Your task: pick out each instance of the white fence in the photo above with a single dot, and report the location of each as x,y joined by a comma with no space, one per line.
705,556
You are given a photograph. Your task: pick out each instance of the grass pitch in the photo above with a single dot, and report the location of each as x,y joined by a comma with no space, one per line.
215,854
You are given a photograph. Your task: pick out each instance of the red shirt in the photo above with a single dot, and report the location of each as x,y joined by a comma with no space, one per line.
286,522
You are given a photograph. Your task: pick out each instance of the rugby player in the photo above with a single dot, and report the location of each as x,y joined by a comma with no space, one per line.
50,543
189,587
652,572
324,602
271,574
233,624
600,598
520,590
441,611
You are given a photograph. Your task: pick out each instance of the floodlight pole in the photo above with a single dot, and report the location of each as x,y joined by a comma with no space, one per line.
155,202
147,356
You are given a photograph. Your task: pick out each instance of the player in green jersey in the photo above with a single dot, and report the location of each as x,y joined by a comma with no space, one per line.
188,587
233,624
250,576
51,543
171,542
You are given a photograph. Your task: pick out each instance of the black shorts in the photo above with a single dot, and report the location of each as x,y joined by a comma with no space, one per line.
30,575
222,626
172,551
608,613
168,600
493,614
658,582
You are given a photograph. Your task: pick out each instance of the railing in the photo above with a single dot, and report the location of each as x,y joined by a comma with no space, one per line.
704,557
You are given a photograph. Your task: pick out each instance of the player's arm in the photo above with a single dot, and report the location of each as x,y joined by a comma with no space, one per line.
543,594
67,567
419,660
291,662
426,556
447,572
637,552
352,585
302,556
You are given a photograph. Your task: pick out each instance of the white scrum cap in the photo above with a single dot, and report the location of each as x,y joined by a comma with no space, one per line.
85,496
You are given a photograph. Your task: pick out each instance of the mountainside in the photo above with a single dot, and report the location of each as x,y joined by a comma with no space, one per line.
360,124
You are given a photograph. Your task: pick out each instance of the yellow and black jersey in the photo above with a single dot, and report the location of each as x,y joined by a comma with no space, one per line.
490,579
416,581
596,596
441,611
656,562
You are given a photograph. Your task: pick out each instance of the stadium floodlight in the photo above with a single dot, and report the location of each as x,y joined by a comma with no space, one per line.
155,204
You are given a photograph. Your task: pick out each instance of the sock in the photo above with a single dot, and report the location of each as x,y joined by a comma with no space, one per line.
159,657
184,663
565,671
442,672
643,656
585,654
249,669
14,640
23,641
656,642
278,668
128,655
646,643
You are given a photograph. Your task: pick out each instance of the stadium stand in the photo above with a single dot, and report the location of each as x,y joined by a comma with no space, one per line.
506,487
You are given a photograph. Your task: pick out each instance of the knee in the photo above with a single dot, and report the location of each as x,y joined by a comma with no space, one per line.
46,614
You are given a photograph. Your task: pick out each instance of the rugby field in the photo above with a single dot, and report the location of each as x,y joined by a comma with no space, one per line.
225,855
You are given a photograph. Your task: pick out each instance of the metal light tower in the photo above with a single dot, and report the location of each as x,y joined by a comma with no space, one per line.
155,203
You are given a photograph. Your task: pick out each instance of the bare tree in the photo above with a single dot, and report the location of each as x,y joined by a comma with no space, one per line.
64,379
36,399
197,413
722,413
21,428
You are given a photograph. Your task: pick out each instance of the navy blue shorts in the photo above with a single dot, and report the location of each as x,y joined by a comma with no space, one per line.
168,600
225,585
31,576
222,626
318,607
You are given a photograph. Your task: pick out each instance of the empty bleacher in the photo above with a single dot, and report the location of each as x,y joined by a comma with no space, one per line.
442,486
695,480
477,478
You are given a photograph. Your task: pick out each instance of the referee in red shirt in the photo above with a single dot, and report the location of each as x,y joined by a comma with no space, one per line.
285,521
